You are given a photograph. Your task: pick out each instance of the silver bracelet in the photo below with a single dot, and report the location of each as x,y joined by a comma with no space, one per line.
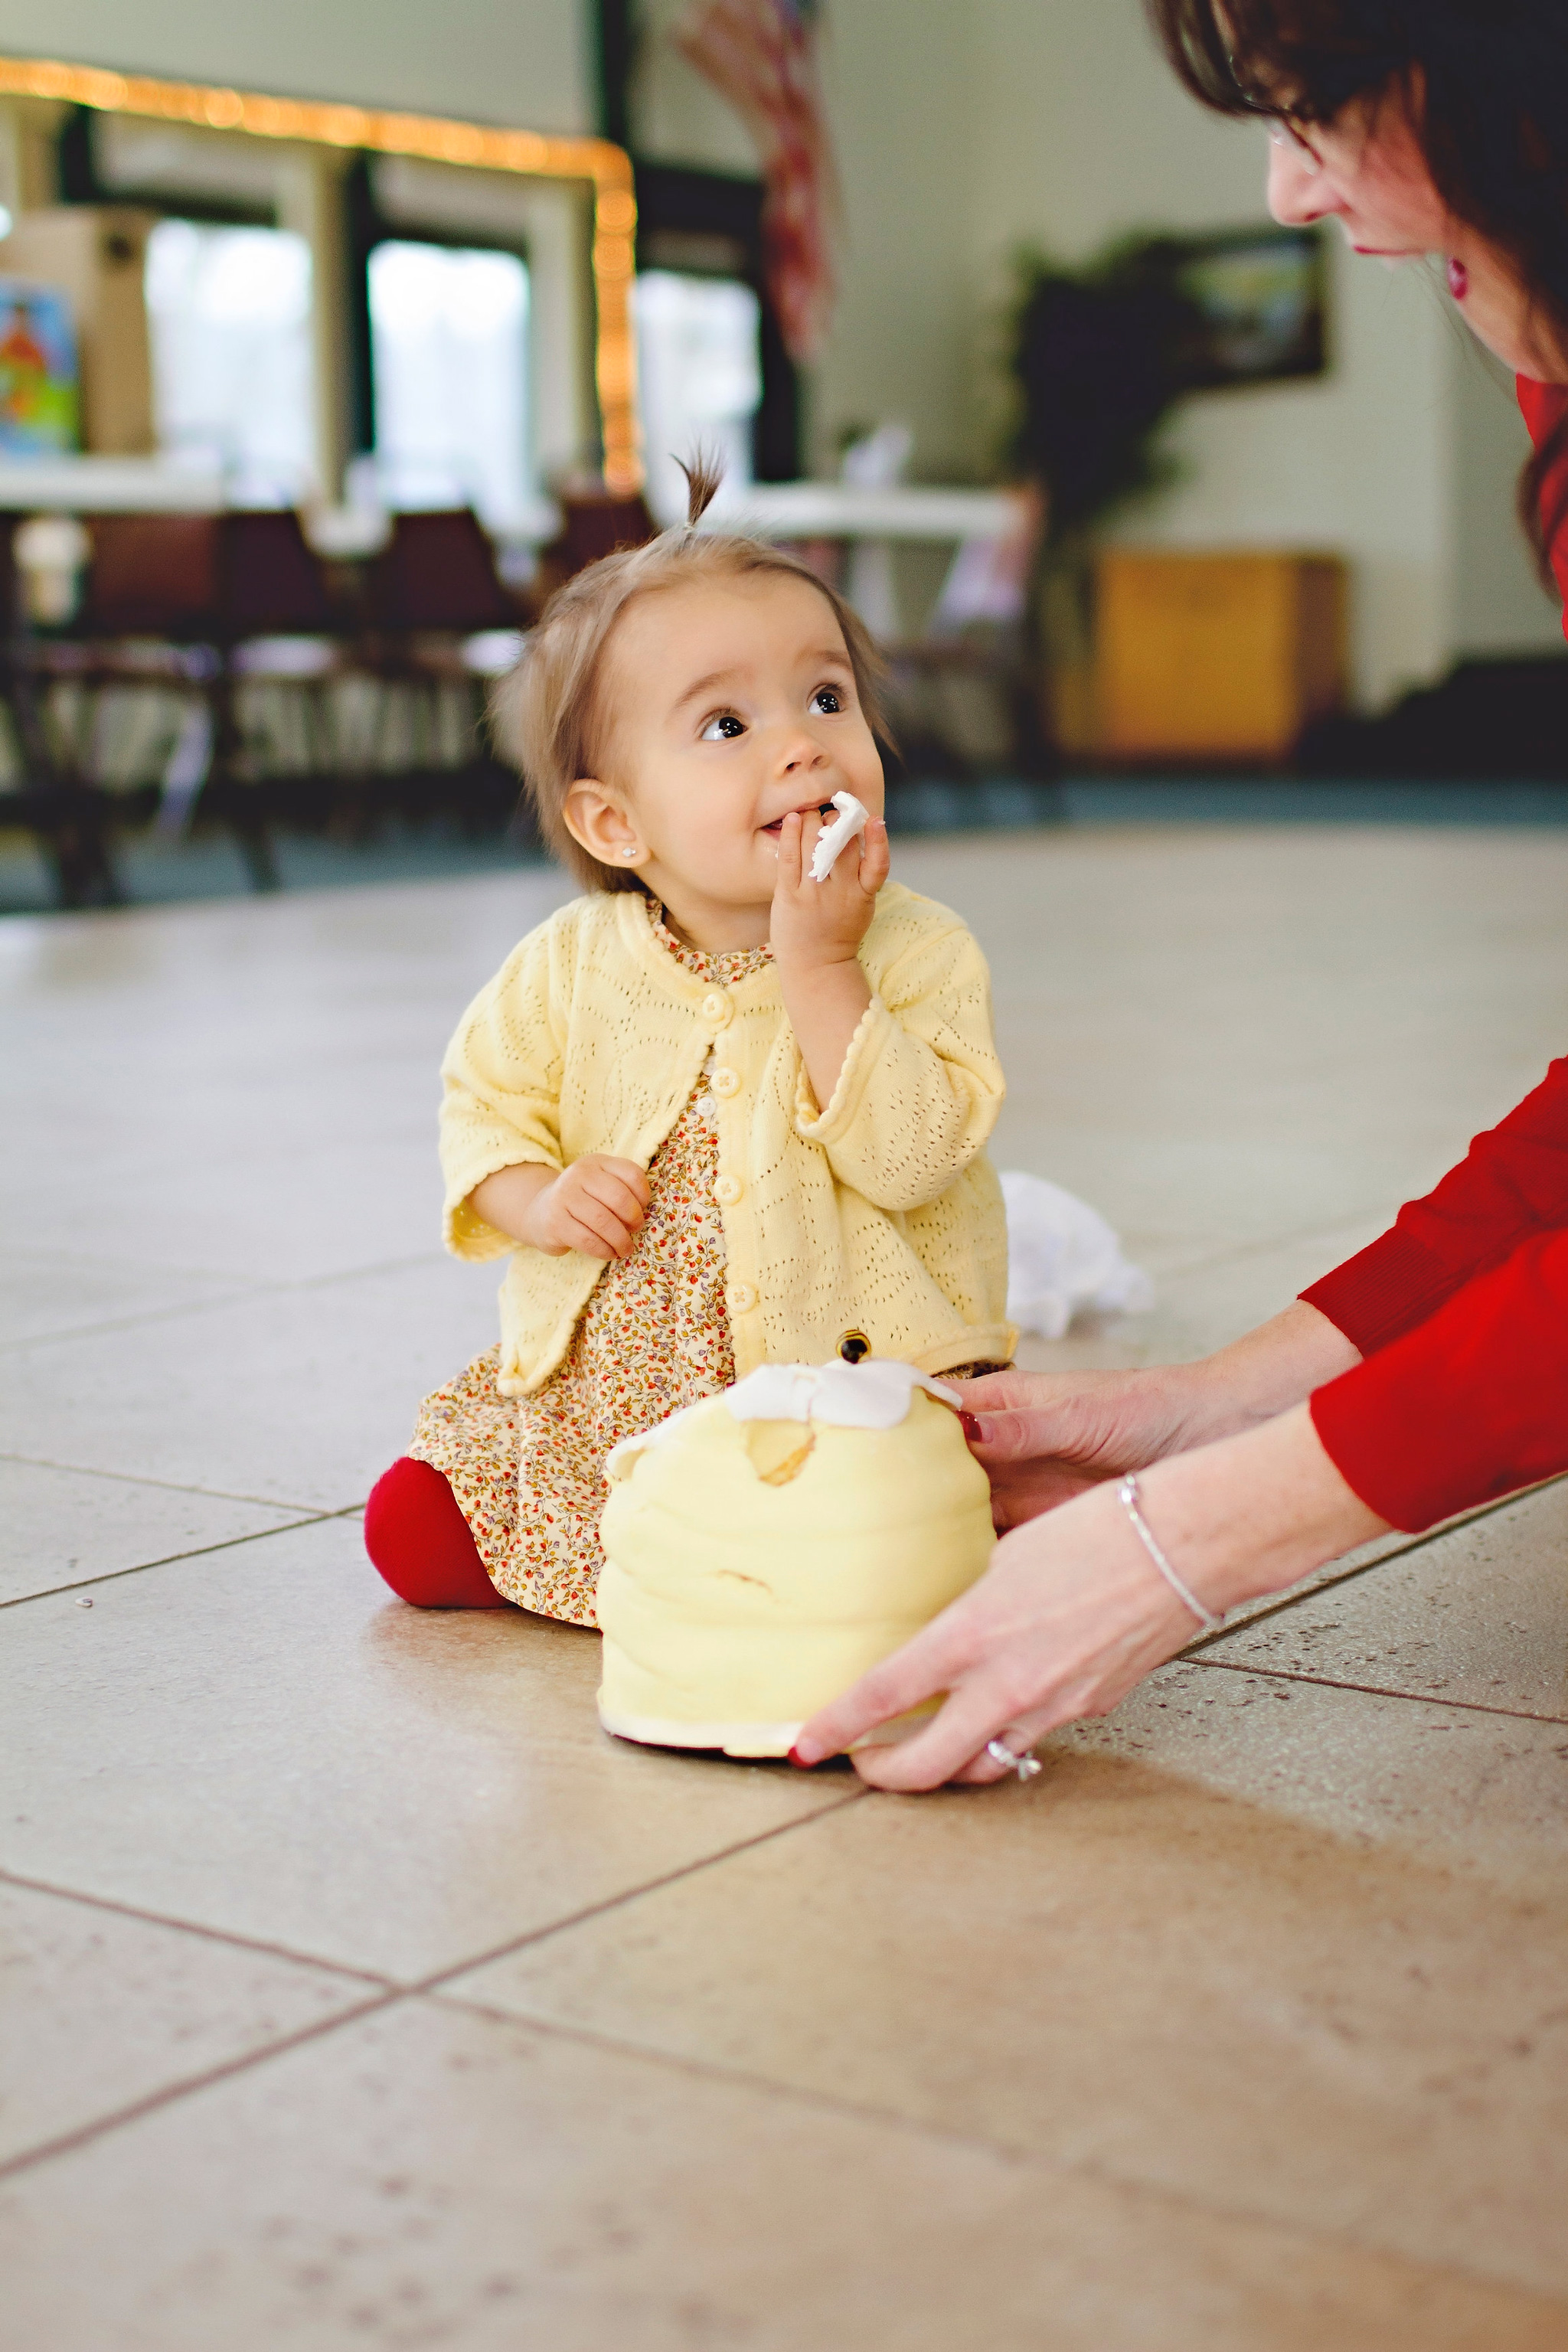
1127,1495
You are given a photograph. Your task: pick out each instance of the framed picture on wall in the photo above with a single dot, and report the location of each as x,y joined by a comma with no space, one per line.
38,402
1261,299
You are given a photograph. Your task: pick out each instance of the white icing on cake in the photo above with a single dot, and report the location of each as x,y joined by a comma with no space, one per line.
874,1394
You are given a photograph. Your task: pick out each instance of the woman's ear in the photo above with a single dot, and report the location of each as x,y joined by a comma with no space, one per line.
599,822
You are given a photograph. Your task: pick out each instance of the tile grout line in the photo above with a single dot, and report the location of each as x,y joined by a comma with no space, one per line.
172,1485
66,2143
1348,1575
392,1993
1006,2151
197,1551
800,2094
1375,1690
255,1290
125,1322
228,1937
652,1886
1244,1252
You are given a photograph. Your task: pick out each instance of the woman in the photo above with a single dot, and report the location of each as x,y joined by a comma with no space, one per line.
1429,1373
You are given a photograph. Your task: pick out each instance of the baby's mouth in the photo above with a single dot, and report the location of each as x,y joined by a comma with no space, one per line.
823,809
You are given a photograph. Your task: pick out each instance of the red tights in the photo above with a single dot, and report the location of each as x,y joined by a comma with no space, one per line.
419,1540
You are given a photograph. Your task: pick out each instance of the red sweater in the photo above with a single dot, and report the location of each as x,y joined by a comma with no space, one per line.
1462,1308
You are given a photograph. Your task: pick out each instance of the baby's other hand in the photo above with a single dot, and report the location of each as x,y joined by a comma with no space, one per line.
824,923
597,1205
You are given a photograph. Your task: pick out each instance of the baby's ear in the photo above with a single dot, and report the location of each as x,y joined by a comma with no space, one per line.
597,821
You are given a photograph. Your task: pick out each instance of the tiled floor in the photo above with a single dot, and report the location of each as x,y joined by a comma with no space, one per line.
368,1996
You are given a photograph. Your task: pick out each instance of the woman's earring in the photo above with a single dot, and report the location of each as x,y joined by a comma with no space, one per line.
630,850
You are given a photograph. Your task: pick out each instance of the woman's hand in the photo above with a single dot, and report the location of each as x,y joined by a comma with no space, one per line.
1072,1612
597,1205
1045,1437
1070,1615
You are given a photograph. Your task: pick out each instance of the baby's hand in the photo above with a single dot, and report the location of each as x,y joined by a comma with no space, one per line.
597,1205
817,923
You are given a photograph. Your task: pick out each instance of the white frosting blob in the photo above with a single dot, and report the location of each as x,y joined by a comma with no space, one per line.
853,817
874,1394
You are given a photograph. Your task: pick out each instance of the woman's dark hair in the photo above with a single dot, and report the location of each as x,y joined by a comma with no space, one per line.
1486,85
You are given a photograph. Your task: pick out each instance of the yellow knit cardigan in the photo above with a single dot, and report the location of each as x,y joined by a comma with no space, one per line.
880,1214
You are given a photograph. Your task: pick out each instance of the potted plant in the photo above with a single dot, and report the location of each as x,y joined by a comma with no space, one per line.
1099,357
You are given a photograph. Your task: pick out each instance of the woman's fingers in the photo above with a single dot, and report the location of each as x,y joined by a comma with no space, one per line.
951,1746
1001,1391
1010,1436
918,1670
1026,1490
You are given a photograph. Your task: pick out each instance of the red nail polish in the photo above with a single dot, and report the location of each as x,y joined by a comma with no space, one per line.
969,1427
800,1762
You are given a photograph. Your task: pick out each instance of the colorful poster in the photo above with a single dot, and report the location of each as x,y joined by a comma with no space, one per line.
38,375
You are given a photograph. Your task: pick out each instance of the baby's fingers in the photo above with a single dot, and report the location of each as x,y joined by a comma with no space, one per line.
790,858
595,1231
622,1188
633,1177
876,859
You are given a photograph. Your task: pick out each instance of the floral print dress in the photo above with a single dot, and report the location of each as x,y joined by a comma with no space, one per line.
528,1472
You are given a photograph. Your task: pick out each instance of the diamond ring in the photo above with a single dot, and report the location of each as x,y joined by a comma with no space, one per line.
1025,1765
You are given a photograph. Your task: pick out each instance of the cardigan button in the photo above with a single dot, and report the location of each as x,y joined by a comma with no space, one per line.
726,1191
717,1009
742,1299
725,1083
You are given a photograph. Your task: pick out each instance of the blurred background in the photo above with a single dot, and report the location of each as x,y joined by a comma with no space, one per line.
1155,509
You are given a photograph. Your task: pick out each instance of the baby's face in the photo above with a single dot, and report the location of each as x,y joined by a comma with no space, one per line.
730,703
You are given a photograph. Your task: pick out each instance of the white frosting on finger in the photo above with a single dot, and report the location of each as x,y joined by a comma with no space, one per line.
852,819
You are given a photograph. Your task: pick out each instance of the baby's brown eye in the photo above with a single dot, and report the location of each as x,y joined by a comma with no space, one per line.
828,699
722,730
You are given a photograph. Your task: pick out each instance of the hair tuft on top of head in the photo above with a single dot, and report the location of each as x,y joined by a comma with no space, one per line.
704,476
554,718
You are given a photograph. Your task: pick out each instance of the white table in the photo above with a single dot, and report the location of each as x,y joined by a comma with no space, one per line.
108,486
843,511
871,521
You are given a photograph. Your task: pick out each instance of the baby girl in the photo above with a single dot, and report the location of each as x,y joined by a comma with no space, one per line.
715,1113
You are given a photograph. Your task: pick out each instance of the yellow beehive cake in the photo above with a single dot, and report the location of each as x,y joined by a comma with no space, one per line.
763,1548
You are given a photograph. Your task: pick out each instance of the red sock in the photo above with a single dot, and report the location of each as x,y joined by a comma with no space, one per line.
420,1541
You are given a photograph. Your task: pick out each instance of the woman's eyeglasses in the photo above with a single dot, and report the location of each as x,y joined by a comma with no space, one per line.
1282,133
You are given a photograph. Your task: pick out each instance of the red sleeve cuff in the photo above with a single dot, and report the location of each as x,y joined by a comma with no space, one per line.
1471,1405
1386,1290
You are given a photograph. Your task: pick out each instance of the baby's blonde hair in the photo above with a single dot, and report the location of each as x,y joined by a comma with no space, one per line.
545,715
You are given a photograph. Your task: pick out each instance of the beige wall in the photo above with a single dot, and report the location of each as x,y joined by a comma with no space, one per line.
898,78
963,130
966,132
1401,458
1498,606
523,61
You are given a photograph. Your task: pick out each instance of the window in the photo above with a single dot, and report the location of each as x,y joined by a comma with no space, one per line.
228,311
448,331
699,379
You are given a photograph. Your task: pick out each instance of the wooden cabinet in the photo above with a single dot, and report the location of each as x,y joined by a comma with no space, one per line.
1224,658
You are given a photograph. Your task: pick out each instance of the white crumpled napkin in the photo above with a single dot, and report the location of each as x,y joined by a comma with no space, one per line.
1063,1260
